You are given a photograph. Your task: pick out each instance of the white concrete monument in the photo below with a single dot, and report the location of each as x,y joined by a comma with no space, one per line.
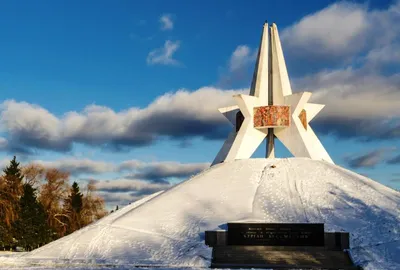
271,110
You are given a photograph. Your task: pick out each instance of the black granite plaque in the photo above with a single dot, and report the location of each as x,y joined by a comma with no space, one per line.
276,234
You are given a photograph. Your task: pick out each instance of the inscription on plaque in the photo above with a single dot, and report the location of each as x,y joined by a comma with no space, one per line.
276,234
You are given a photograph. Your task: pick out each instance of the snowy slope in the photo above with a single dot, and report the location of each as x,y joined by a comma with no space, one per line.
168,228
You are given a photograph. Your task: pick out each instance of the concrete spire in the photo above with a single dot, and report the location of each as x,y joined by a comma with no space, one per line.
259,84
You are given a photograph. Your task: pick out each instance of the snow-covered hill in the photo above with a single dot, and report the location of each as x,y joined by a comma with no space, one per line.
168,228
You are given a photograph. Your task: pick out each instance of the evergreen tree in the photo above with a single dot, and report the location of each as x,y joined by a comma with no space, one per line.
13,177
31,229
76,198
72,209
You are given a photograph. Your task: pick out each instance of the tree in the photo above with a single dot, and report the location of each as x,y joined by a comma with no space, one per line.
33,174
36,205
76,198
93,205
5,237
10,192
7,213
52,193
13,173
72,209
31,229
12,183
6,216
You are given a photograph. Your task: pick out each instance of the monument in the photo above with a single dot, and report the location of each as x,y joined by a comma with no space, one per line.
266,211
271,110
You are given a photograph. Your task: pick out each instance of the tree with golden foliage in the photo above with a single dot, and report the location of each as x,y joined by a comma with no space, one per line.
93,207
51,196
33,174
10,193
7,215
73,209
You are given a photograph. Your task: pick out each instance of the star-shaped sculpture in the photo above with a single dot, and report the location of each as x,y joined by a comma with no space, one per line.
271,110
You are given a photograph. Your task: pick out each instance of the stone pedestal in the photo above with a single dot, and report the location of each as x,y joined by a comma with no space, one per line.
279,246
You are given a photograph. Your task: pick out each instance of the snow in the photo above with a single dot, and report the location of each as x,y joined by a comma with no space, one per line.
167,229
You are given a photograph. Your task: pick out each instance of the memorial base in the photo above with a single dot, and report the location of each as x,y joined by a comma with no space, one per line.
275,246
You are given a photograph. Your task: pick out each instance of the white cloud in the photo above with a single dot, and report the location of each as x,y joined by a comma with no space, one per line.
345,31
146,177
385,25
354,94
182,114
338,30
124,191
166,22
389,54
238,66
359,104
348,93
159,171
164,55
78,166
130,185
15,118
241,58
168,166
112,199
385,43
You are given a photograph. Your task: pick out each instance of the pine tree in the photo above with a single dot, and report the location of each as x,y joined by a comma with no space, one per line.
72,208
76,198
31,229
13,177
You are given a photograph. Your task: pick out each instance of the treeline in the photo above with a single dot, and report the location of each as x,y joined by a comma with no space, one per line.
38,205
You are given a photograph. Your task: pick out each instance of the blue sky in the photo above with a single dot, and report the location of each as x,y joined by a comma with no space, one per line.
113,90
